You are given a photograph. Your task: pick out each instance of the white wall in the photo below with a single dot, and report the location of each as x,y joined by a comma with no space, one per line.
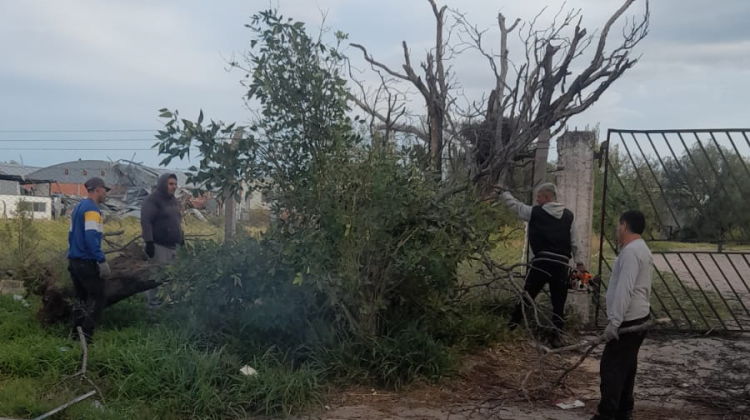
9,205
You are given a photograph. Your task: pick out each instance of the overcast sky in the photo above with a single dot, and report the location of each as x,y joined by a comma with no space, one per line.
110,65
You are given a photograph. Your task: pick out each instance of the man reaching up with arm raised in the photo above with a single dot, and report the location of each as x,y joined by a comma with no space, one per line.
553,241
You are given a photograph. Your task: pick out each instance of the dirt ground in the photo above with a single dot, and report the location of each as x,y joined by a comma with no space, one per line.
680,378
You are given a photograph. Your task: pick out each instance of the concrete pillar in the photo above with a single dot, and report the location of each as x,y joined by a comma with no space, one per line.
540,158
230,204
575,189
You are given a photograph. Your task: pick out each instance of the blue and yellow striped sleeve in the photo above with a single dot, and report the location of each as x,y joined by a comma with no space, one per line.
93,221
94,226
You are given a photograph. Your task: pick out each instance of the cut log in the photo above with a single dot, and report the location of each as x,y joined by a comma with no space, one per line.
131,274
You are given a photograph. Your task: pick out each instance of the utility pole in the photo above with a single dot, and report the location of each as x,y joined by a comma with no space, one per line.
230,204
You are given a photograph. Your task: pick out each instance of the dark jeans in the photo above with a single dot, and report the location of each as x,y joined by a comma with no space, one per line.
617,370
90,297
541,273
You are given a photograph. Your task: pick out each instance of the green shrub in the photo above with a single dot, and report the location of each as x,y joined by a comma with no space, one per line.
239,291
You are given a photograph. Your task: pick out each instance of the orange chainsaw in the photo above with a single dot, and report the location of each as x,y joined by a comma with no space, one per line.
579,280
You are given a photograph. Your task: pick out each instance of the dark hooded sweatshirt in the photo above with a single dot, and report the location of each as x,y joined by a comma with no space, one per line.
160,216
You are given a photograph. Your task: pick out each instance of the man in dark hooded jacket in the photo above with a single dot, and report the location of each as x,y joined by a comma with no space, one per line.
161,225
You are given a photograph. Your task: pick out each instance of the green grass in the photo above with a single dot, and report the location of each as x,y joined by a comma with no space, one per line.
146,369
48,239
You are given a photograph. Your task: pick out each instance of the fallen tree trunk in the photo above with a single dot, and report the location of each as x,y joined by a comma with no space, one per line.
131,274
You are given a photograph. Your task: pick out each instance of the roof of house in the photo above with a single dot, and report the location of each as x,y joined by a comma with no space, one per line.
140,174
122,172
77,172
16,169
22,180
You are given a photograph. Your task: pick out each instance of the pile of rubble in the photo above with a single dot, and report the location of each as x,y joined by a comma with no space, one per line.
128,204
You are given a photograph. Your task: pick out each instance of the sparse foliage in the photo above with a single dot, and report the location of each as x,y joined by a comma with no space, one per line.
534,91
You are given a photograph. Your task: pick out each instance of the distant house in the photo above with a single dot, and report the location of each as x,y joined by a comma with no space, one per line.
16,169
19,194
130,182
69,177
13,174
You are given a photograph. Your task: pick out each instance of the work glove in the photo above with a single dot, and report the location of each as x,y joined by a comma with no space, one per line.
104,271
611,332
150,251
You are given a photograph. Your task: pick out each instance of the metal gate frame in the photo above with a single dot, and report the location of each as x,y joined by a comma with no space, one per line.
697,289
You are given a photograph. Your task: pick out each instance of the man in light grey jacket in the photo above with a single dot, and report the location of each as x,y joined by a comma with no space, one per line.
628,304
553,241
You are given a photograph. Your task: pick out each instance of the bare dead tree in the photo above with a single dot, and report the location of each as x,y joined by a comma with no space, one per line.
433,88
539,94
541,98
385,120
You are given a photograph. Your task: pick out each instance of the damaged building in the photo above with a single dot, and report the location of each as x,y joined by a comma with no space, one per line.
62,186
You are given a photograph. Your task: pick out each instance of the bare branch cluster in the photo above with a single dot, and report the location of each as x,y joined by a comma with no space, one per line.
541,90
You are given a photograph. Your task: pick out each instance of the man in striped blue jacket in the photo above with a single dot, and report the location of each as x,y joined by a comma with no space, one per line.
87,264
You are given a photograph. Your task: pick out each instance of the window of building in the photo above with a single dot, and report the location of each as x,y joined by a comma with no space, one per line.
31,206
85,172
66,171
103,172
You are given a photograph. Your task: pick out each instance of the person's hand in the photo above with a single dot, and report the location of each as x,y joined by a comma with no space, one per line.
150,250
500,187
581,267
104,271
611,332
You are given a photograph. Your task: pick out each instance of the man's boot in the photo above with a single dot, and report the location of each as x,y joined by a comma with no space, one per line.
624,415
554,340
602,417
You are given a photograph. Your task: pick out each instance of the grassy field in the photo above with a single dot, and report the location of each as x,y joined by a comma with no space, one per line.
148,368
48,239
150,365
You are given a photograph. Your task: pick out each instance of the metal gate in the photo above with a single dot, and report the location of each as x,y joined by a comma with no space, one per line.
694,188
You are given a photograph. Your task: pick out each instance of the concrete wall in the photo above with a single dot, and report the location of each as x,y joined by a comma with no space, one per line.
9,205
9,187
68,189
575,182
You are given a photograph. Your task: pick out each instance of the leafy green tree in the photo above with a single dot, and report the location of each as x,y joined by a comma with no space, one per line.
708,186
370,234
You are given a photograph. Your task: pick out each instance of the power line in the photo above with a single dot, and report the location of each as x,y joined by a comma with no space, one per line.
80,140
74,149
82,131
70,140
